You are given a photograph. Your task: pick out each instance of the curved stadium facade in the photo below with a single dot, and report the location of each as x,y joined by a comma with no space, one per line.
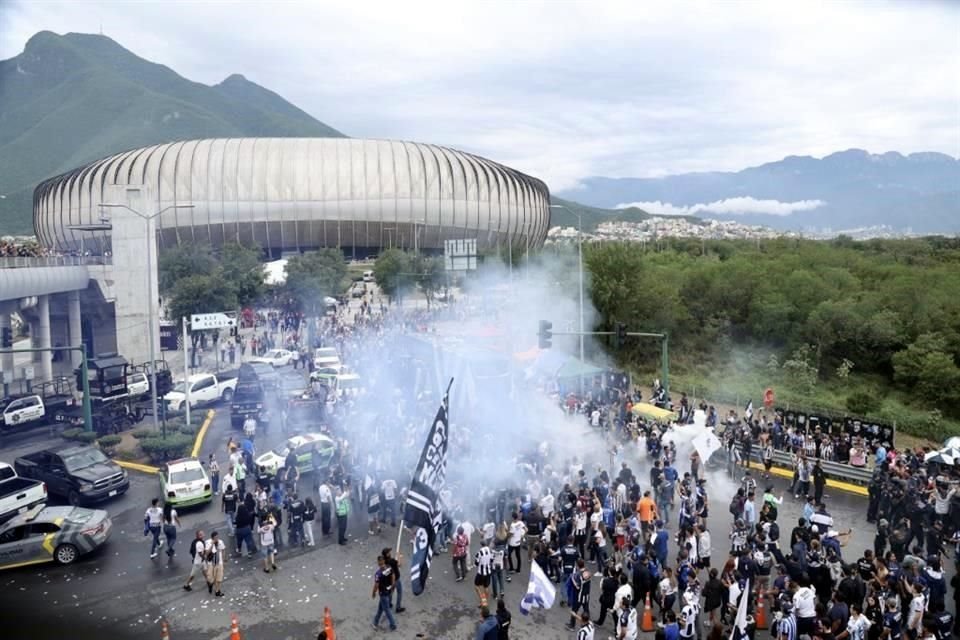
290,194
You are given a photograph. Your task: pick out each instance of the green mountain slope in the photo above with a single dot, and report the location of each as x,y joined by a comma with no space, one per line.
67,100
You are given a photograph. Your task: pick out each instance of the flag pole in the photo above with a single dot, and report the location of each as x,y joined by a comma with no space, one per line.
446,406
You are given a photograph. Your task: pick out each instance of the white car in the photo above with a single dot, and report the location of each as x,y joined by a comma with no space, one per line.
185,482
24,410
137,384
275,357
368,276
326,357
302,446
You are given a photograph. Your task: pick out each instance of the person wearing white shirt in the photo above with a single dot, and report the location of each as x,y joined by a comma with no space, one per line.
624,592
153,519
626,621
547,504
215,550
389,489
517,532
326,506
704,548
805,608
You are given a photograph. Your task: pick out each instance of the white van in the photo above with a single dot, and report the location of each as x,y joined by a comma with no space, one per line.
368,276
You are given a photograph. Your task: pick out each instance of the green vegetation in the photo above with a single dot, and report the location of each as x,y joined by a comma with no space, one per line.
397,271
313,276
159,449
841,325
68,100
195,278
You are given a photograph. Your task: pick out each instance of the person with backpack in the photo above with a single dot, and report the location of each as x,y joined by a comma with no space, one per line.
196,559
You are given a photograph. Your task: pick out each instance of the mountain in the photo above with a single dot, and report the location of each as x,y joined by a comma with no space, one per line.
67,100
593,217
845,190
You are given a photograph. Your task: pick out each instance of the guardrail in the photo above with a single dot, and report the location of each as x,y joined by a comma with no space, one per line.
833,470
18,262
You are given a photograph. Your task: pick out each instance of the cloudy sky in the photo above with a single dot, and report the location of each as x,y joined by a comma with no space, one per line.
566,90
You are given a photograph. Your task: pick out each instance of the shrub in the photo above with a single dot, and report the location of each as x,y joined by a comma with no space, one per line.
86,437
863,403
143,432
175,445
128,456
108,441
72,433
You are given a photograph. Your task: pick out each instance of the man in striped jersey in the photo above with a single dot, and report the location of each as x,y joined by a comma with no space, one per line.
483,560
787,625
585,632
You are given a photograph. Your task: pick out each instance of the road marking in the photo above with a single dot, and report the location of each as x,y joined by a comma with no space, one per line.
198,443
24,564
136,466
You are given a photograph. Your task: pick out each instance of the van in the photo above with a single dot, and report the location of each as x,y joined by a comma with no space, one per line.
368,276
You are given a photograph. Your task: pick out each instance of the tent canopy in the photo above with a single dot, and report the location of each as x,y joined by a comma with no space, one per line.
573,368
653,412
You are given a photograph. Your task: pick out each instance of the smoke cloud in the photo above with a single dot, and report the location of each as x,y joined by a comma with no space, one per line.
732,206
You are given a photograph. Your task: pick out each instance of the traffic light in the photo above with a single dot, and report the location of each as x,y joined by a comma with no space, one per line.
621,334
545,334
6,338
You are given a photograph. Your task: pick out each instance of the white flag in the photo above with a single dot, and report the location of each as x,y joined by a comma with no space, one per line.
749,410
739,630
540,591
706,443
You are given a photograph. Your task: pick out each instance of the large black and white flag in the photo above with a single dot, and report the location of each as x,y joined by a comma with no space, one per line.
423,512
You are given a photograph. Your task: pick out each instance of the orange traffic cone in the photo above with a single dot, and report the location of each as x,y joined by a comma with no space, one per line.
164,631
647,623
328,624
234,629
761,617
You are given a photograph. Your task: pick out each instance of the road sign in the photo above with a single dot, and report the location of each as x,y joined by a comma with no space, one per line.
201,321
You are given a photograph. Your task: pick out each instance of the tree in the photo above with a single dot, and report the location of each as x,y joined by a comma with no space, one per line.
244,271
182,261
431,275
313,276
201,294
393,270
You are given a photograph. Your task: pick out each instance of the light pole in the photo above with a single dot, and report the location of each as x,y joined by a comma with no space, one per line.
151,238
580,269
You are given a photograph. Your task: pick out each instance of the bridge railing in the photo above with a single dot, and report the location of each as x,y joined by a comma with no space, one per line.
19,262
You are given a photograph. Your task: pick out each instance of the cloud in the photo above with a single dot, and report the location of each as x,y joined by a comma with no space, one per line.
569,90
729,206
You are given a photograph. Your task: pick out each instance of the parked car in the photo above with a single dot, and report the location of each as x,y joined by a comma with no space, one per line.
205,388
79,473
368,276
325,357
275,357
185,482
24,410
52,534
302,445
138,384
17,494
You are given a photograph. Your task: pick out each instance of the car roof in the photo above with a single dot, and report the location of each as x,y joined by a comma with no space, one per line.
308,438
41,513
67,449
183,463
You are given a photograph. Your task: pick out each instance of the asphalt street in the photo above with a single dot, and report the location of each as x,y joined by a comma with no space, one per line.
119,592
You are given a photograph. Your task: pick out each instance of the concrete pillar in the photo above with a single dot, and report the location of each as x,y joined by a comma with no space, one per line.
41,340
73,324
6,360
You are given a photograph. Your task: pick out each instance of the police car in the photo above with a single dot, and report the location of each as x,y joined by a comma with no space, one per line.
302,446
52,534
185,482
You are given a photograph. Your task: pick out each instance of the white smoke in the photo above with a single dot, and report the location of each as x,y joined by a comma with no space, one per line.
731,206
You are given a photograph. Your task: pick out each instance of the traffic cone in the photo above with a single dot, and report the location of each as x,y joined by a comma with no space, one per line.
164,631
234,629
328,624
761,617
647,623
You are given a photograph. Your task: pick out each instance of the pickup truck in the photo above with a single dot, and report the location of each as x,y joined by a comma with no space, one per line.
80,473
17,494
205,388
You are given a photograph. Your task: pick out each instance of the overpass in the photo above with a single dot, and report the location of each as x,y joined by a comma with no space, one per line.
100,301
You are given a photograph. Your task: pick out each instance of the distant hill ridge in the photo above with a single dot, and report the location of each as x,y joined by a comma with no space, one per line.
858,189
70,99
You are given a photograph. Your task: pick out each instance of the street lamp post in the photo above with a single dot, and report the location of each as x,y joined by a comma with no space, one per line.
151,238
580,268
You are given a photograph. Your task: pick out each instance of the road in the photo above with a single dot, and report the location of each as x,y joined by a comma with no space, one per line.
121,593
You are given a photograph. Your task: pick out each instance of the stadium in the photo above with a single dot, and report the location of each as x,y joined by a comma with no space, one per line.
295,194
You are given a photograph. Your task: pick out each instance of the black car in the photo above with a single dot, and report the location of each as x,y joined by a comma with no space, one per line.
79,473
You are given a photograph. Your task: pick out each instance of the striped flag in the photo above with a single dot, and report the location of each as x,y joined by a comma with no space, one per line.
423,512
749,410
540,591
